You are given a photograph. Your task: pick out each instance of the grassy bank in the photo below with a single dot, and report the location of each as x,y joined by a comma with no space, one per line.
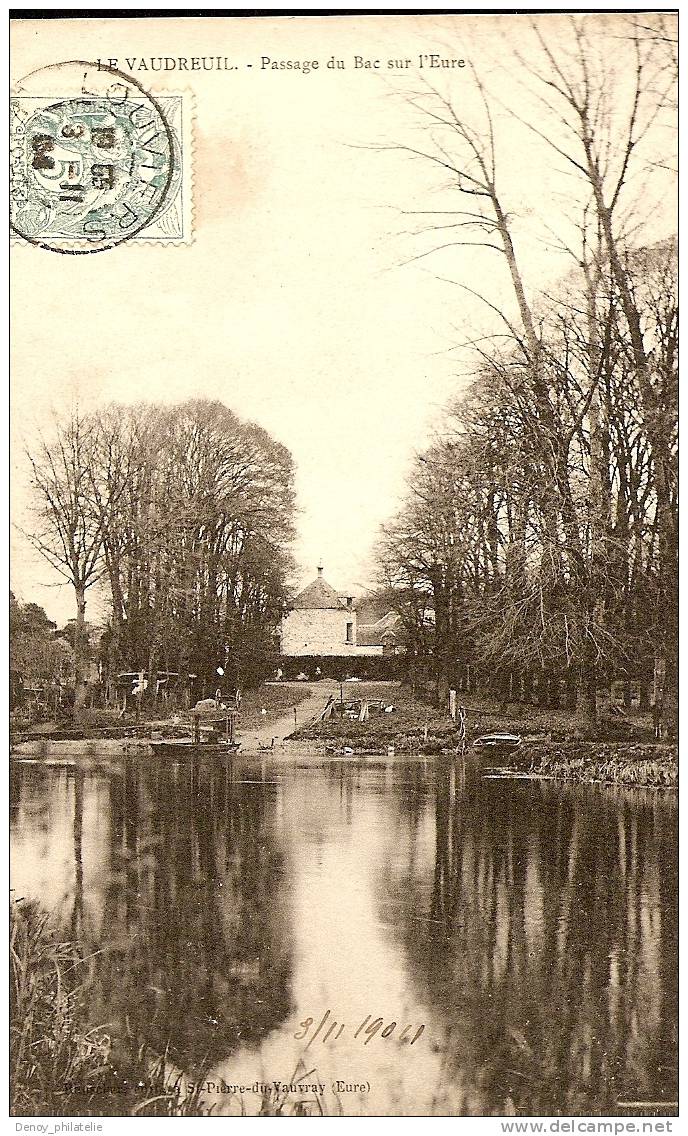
413,719
405,727
620,763
59,1066
552,741
276,699
99,723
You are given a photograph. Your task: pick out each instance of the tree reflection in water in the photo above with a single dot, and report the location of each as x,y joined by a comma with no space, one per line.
195,947
531,927
550,950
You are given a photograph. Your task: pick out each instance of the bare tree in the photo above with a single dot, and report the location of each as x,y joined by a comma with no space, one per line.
69,529
603,122
608,147
477,530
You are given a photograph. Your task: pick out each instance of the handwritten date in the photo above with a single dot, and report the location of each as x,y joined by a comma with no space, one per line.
366,1030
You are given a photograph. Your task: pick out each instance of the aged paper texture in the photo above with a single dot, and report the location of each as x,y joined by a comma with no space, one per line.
344,568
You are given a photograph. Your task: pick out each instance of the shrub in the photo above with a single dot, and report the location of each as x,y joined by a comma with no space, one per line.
58,1066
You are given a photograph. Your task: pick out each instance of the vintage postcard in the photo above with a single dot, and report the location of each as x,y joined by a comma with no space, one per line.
343,653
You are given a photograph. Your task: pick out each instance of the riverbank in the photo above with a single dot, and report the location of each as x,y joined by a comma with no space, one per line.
276,699
624,752
59,1066
620,763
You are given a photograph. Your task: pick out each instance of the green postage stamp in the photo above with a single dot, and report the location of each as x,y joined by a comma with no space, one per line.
96,160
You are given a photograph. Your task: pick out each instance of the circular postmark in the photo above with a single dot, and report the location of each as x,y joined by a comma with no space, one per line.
92,158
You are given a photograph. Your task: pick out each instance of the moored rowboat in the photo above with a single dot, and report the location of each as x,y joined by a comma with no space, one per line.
497,743
185,747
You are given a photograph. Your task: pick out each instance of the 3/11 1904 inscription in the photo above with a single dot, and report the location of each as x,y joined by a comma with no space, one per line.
367,1030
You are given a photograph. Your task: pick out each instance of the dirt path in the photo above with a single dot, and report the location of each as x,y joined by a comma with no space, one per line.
279,724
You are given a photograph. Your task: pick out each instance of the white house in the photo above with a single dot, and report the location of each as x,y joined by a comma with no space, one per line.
319,622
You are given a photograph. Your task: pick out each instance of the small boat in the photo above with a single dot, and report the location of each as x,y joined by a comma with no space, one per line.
267,748
497,743
211,744
184,747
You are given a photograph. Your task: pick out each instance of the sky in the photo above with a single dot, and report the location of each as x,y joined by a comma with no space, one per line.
298,303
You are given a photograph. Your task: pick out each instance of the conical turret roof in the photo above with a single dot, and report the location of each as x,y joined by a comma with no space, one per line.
318,595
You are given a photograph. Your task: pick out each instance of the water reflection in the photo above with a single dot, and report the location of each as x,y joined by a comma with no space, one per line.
531,929
551,945
195,952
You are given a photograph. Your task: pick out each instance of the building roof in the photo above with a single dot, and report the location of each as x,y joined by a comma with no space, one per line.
368,637
388,622
318,595
385,630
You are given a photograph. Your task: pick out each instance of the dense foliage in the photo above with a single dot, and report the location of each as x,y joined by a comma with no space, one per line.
41,657
185,513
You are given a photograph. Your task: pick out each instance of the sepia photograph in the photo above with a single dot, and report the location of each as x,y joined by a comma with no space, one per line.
343,643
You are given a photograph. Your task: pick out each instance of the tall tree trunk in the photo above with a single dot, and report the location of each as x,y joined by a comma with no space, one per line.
586,685
80,652
655,432
114,660
441,642
594,580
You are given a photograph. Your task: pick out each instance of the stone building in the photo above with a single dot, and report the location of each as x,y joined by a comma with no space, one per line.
319,622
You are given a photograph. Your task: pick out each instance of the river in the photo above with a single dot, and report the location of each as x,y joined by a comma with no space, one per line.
269,921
